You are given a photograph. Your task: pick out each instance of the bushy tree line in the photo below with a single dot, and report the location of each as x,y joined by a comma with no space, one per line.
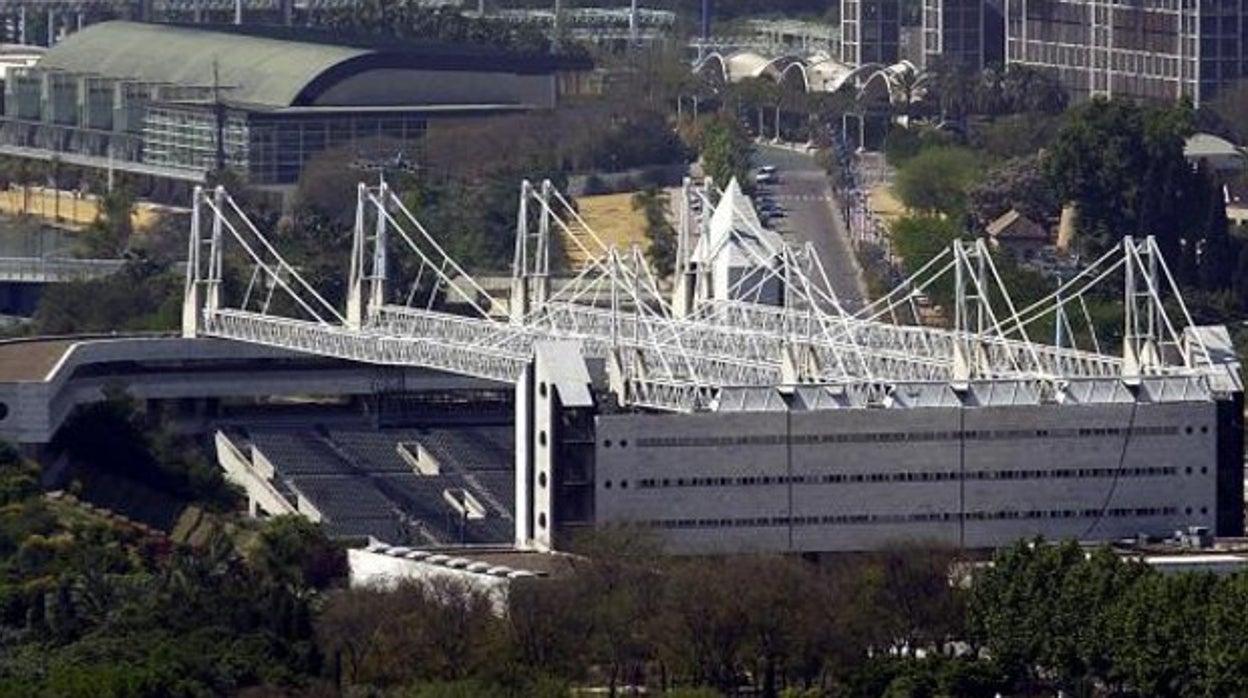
92,608
117,437
1057,617
412,20
907,622
625,616
725,149
1121,165
661,253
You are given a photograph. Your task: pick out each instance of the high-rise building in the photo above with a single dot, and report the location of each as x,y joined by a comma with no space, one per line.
954,32
870,31
1140,49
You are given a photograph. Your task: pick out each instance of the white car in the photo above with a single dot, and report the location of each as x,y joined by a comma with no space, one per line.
764,178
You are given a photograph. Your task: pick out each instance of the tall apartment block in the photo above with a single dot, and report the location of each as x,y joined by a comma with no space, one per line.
1139,49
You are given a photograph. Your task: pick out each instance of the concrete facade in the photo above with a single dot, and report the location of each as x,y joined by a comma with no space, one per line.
33,406
859,479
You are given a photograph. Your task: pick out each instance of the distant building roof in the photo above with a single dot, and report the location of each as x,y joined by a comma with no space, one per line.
1013,225
1220,153
1207,144
274,69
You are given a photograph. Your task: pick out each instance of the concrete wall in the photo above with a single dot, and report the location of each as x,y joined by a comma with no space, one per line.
32,410
863,478
254,477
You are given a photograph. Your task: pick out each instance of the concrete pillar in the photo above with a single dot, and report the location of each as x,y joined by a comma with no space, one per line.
524,459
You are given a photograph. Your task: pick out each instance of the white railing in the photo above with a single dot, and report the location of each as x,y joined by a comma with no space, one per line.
56,270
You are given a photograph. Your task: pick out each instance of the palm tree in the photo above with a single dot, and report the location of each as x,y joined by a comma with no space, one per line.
1034,89
991,95
955,86
907,86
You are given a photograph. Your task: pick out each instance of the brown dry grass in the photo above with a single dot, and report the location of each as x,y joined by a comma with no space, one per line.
613,220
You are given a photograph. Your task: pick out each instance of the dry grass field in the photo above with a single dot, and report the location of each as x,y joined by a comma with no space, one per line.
612,218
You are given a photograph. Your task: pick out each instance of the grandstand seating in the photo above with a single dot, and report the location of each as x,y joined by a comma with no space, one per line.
360,484
297,451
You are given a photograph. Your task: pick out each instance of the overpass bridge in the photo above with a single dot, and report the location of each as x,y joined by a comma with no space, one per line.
696,348
55,270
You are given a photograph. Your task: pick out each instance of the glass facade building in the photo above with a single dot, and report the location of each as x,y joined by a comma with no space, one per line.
1139,49
870,32
182,100
955,31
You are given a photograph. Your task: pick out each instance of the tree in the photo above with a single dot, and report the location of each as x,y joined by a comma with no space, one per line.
1227,114
138,297
935,180
294,552
1123,166
1216,258
614,582
1021,184
725,152
954,86
108,237
661,252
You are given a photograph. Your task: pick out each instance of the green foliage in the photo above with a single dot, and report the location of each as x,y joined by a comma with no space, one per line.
693,693
1123,166
662,251
92,608
115,437
1015,135
19,479
138,298
1021,184
917,239
108,237
902,144
1053,616
935,180
410,20
725,152
294,552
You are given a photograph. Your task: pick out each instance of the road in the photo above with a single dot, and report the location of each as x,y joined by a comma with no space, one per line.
806,195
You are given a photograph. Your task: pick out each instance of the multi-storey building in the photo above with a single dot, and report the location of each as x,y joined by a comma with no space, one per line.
954,31
870,31
176,102
1142,49
968,32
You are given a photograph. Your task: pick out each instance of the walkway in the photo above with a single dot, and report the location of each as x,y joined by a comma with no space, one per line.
814,216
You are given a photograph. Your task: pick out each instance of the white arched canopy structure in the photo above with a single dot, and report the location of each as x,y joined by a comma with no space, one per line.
817,72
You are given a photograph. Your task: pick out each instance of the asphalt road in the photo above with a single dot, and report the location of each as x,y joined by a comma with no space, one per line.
806,195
